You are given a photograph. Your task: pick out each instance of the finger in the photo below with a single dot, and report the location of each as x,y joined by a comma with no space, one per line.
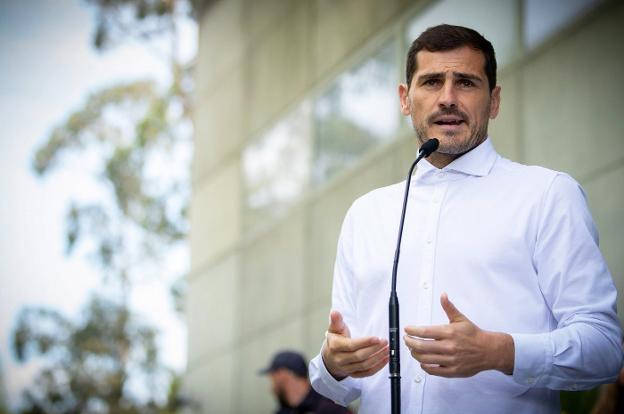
440,371
426,346
336,324
429,332
339,343
382,362
357,357
453,314
371,371
363,359
434,359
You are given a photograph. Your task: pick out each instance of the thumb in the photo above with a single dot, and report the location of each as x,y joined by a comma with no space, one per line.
337,325
454,315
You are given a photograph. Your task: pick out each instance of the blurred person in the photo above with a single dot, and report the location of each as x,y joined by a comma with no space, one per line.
611,397
533,303
291,387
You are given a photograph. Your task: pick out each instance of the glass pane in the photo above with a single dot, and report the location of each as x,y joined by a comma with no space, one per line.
542,18
496,20
276,166
358,111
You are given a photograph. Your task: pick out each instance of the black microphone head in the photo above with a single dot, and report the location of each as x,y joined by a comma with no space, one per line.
429,147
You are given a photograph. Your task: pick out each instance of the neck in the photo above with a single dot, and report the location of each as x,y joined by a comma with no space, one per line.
439,160
297,392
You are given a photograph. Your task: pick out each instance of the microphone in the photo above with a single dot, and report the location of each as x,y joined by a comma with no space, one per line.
393,307
428,148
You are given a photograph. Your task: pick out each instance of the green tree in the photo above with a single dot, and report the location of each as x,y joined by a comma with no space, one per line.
118,20
132,139
87,365
136,138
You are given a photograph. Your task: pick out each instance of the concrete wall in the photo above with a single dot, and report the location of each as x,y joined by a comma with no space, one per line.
253,292
560,110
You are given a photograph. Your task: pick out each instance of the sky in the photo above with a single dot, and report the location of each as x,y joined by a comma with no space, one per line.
48,68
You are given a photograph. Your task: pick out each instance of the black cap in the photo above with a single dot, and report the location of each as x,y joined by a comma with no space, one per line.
290,360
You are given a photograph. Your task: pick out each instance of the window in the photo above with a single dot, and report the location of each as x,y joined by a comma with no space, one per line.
276,166
542,19
357,112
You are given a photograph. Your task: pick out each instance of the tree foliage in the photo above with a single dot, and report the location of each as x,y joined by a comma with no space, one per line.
134,140
117,20
88,365
133,133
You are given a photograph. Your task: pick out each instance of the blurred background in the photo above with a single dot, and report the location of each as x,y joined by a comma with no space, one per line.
175,174
96,143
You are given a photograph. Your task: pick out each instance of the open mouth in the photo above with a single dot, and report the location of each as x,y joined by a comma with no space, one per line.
449,121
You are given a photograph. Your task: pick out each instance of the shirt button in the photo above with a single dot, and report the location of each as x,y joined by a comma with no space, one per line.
531,380
417,379
425,285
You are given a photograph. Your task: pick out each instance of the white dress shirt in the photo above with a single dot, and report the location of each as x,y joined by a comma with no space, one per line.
516,250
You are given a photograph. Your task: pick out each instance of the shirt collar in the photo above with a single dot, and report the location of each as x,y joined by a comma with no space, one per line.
478,162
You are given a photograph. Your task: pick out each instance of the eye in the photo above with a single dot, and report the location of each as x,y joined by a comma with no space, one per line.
431,82
467,83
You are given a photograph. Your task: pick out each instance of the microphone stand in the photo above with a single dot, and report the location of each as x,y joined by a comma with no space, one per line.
393,307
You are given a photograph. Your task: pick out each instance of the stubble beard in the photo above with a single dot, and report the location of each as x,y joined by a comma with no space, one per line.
280,394
476,135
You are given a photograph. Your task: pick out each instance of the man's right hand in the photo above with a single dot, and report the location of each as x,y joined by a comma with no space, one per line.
346,357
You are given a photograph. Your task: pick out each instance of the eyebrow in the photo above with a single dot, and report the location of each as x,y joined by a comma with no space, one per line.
458,75
469,76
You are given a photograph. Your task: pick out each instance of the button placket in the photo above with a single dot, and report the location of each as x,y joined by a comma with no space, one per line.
425,299
424,291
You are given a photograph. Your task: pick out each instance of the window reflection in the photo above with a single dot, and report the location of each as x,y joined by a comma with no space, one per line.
276,166
542,19
359,110
496,20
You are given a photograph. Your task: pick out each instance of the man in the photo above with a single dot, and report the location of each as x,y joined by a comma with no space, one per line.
290,385
610,397
505,297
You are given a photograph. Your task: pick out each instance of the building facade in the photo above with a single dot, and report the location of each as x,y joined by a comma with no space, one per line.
297,115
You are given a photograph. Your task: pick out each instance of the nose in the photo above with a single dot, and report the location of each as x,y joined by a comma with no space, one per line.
448,98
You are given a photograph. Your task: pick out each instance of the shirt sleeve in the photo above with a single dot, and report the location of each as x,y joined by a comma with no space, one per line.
347,390
584,349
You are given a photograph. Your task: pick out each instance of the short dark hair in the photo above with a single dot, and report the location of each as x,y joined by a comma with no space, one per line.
447,37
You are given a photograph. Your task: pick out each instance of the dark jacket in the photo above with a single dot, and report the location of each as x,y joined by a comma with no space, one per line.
314,403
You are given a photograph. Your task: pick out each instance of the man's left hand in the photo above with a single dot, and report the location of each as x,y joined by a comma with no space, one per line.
461,348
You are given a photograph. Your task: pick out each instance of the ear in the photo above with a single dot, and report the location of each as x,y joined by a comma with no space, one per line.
404,99
494,102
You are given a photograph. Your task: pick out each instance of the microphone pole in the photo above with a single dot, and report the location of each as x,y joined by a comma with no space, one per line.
393,307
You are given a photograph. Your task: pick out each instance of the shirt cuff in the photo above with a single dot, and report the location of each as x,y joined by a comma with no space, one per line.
532,359
342,392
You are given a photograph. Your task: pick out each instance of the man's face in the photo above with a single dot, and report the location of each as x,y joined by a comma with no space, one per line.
449,99
279,379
